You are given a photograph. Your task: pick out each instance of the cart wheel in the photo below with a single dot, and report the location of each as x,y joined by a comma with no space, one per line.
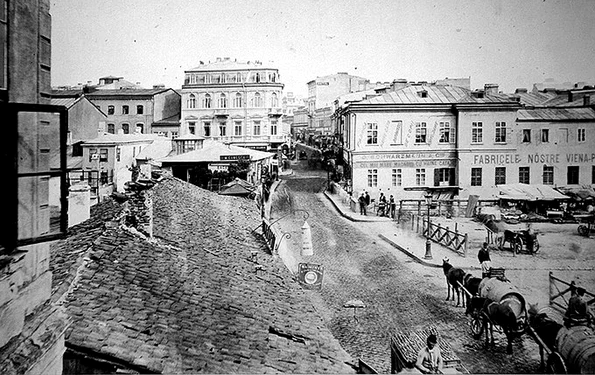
535,246
476,327
517,246
555,364
583,230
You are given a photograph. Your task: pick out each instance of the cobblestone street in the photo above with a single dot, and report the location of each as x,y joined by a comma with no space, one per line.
399,294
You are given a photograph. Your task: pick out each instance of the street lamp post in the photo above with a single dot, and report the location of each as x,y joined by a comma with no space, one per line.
428,242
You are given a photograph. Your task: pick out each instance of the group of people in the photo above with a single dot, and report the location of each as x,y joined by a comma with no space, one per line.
385,207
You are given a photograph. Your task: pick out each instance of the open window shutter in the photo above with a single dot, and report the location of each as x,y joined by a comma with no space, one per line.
451,177
436,176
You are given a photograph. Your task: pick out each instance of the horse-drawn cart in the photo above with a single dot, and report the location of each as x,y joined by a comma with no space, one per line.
586,225
404,349
500,305
520,241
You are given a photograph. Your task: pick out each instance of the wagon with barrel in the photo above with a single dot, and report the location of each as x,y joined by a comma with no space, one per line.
404,348
566,348
499,304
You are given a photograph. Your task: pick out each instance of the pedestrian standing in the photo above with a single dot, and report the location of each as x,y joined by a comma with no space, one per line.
362,204
484,260
367,199
393,206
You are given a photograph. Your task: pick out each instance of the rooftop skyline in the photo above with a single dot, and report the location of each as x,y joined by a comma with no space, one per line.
513,44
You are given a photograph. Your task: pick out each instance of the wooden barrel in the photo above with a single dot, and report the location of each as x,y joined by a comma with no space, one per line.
577,347
495,290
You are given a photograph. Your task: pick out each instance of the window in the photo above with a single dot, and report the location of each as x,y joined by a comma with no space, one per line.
524,175
140,127
237,102
140,109
563,135
581,135
593,174
526,135
125,128
475,176
572,176
174,134
398,126
92,154
110,109
118,153
257,100
192,101
103,154
446,132
223,101
500,176
273,127
223,129
237,128
111,128
397,177
125,109
372,133
545,135
420,177
500,132
548,175
372,177
420,132
256,128
103,179
477,133
207,101
192,127
274,100
207,128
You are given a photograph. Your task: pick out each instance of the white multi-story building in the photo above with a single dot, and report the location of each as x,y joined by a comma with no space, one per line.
235,102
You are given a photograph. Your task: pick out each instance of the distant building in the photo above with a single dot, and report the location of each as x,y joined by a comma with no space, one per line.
85,120
235,102
132,111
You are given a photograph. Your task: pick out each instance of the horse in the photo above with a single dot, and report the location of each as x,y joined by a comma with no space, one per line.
494,313
472,285
454,278
507,236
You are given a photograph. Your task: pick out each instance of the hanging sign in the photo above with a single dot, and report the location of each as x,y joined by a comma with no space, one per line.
310,275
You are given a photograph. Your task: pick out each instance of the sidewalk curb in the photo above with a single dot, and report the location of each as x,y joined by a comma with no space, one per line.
407,252
348,217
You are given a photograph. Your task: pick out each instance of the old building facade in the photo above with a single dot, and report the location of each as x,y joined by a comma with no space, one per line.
235,102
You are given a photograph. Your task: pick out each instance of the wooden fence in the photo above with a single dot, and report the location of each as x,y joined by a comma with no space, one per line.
557,295
442,207
445,236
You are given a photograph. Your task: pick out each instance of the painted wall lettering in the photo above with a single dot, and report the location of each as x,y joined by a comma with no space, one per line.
503,159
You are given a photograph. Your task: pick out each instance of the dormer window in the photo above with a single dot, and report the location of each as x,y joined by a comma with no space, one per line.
422,94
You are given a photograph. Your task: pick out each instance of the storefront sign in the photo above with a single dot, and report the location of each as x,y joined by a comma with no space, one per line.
501,159
405,156
310,275
218,167
406,164
233,157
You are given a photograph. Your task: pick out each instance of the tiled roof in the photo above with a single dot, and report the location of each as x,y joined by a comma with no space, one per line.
66,102
434,94
212,152
189,300
555,114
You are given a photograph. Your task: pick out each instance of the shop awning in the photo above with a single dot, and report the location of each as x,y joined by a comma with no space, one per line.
581,193
525,192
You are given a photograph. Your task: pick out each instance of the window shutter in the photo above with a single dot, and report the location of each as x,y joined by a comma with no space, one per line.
451,177
436,176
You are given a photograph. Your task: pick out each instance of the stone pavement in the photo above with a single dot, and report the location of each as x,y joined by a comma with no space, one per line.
407,241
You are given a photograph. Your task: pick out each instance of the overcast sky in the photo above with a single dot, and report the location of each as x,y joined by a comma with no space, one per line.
512,43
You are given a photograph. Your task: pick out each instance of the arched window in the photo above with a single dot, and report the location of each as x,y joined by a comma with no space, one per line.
125,110
111,128
207,101
274,100
140,127
125,128
140,109
110,109
237,102
192,101
222,101
257,100
239,79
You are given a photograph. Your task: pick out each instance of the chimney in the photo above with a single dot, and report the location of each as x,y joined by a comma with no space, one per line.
398,84
79,204
491,88
570,96
587,100
520,91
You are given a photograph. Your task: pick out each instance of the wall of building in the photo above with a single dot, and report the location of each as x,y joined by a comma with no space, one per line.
83,120
488,153
396,149
166,104
25,280
132,118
